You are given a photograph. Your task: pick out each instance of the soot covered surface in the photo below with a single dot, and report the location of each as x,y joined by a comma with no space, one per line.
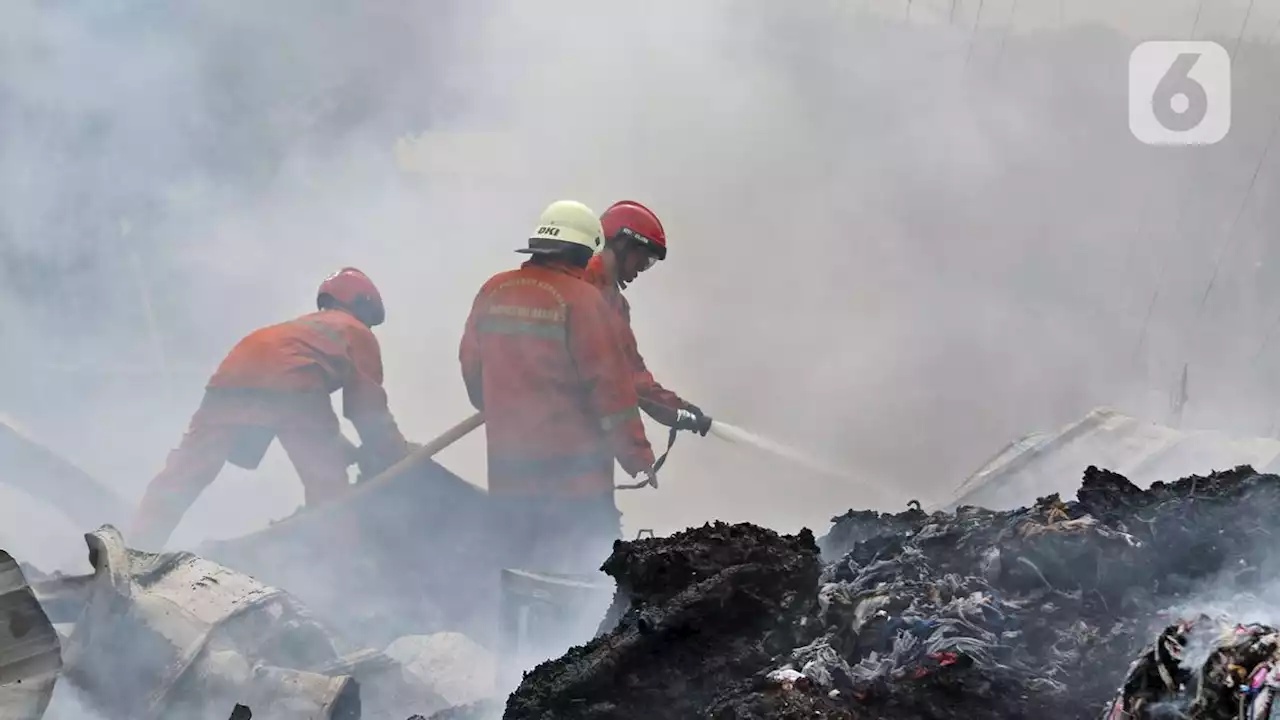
1033,613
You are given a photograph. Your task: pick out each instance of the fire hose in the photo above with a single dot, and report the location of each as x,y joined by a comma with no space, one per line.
464,428
653,475
722,430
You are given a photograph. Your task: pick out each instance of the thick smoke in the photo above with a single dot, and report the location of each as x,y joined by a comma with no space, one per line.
902,234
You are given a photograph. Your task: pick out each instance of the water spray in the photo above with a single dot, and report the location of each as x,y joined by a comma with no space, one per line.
739,436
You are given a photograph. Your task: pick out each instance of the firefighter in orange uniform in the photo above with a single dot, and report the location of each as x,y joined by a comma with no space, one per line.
634,242
540,359
276,383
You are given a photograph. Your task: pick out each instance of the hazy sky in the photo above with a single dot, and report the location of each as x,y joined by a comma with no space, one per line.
895,244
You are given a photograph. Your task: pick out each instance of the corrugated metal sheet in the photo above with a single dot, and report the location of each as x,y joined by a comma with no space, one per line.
175,635
30,653
1054,462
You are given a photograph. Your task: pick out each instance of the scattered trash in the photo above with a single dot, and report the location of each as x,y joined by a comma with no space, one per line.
1237,681
975,614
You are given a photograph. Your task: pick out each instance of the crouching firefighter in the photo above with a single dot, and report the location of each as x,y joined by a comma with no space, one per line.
634,241
276,383
540,359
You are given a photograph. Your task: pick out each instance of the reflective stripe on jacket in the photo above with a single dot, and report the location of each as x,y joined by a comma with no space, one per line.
539,357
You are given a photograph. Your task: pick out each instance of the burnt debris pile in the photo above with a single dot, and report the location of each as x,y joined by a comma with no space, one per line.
977,614
706,610
1199,670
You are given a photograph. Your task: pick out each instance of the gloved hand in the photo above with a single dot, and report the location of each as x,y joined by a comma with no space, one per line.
693,419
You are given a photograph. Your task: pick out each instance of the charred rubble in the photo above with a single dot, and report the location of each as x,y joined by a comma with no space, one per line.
1042,612
159,635
1123,604
1199,670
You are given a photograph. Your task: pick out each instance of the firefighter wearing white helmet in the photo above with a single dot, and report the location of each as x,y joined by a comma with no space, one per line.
565,228
540,359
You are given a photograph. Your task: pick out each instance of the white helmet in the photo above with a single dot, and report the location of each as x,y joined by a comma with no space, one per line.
566,221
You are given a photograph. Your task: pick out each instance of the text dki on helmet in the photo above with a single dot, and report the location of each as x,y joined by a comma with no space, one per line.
628,220
569,230
353,291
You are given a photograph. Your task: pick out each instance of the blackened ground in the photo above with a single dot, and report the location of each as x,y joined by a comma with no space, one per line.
709,607
1033,613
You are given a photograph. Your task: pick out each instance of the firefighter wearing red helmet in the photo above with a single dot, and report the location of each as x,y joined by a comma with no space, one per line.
276,383
539,357
634,242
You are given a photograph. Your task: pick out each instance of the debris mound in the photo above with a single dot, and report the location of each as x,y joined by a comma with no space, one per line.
488,709
706,608
1031,613
1238,678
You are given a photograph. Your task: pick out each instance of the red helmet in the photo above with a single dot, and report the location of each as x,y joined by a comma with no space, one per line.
631,220
353,290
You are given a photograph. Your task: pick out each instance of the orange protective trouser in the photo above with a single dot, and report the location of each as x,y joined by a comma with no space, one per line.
317,454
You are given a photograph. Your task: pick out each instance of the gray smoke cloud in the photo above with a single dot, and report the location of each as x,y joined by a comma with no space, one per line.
897,241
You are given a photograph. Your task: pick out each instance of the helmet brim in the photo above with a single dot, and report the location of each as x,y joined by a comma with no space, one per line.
654,248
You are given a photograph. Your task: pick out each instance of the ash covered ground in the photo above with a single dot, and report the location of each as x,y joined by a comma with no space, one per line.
1104,605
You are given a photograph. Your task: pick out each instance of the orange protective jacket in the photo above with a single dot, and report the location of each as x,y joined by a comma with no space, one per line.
658,402
283,375
540,360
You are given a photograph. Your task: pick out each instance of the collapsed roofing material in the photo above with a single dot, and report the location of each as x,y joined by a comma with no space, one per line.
1049,462
402,555
30,656
175,635
975,614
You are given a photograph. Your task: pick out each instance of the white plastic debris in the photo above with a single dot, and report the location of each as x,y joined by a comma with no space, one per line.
785,676
450,663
